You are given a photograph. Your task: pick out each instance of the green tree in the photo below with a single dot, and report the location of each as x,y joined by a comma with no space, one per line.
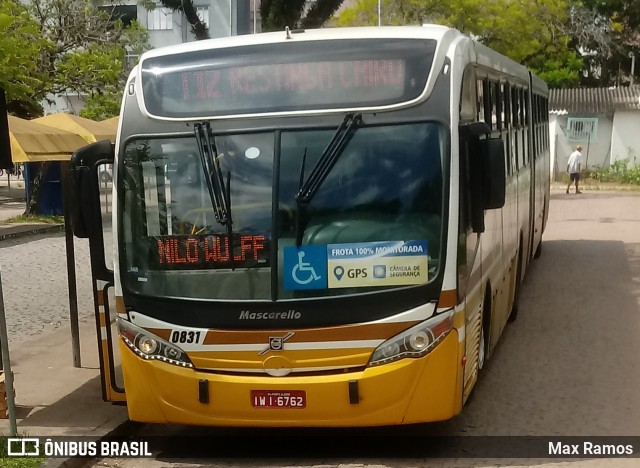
102,106
20,41
278,14
88,47
531,32
606,32
80,50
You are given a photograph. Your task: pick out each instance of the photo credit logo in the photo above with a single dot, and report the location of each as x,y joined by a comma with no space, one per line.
67,447
23,447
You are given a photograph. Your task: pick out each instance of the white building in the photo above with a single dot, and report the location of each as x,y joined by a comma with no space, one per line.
604,121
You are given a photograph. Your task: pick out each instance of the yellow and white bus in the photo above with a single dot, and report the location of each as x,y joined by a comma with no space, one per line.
314,228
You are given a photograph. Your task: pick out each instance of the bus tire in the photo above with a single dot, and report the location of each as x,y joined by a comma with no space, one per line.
513,315
538,251
483,348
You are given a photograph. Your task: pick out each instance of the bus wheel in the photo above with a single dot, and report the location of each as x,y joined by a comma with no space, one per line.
538,251
484,330
513,315
481,355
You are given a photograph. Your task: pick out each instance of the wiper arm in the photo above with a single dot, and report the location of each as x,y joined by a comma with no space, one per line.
329,157
299,204
323,167
211,167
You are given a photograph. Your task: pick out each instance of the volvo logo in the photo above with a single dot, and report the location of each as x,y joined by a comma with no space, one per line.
276,343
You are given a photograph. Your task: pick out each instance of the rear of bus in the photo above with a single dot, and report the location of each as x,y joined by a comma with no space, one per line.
284,252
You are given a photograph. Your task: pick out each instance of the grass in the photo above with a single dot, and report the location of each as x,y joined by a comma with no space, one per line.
17,462
621,175
593,181
45,219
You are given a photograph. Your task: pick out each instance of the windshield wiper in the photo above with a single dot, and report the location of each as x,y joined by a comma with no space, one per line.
211,167
323,167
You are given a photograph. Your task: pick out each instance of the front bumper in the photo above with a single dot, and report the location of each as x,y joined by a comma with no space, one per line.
403,392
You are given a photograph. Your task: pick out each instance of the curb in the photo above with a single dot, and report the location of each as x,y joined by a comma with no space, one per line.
601,188
4,201
30,231
122,430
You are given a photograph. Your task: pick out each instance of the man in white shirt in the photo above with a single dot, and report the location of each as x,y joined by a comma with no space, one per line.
573,168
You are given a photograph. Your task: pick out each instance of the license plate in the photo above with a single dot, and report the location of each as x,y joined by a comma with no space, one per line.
296,399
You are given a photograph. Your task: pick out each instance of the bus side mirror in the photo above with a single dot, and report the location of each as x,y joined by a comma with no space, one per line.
85,194
487,178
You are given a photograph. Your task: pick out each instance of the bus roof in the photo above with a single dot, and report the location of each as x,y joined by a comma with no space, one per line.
429,31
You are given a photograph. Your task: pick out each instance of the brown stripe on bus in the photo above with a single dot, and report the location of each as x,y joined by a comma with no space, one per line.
102,319
120,308
100,297
163,333
374,331
448,299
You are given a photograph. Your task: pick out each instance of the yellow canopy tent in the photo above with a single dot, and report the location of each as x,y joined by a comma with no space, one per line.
90,130
112,123
32,142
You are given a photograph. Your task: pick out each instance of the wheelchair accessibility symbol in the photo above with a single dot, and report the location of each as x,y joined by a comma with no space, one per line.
305,267
304,270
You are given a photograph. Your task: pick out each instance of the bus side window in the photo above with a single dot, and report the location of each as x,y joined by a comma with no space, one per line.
525,132
488,108
506,92
480,100
515,118
497,106
468,97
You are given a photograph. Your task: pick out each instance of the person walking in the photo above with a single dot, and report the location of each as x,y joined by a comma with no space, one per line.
573,168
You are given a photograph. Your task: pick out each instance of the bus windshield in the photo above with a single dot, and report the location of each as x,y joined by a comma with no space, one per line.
374,223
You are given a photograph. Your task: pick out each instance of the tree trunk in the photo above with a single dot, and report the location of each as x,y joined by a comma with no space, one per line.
320,12
33,201
198,28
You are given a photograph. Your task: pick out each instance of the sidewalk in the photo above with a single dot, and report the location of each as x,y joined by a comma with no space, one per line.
53,398
12,203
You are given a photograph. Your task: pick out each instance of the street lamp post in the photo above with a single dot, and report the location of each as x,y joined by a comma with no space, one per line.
632,56
379,12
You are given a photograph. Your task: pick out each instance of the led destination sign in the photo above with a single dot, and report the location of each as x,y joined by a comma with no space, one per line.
287,77
385,76
200,252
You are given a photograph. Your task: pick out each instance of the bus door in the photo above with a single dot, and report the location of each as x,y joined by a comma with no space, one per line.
91,216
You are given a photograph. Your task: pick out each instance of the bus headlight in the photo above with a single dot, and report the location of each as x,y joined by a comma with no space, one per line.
415,342
149,346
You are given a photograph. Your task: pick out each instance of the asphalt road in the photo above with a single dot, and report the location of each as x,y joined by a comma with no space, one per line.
569,365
